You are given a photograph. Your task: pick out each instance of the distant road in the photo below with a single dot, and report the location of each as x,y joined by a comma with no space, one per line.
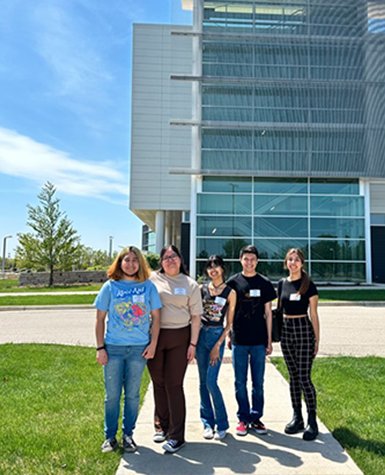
357,331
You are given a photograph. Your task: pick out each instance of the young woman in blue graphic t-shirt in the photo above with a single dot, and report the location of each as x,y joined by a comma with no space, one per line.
133,307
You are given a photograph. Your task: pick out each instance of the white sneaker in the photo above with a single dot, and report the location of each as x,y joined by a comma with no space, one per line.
208,433
159,437
220,434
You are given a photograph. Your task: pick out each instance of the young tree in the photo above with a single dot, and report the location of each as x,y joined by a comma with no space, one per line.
54,244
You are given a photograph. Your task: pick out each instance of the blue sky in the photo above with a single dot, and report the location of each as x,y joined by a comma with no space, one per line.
65,106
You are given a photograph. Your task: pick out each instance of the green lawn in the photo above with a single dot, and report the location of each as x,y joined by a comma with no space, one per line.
10,286
351,403
51,400
352,295
48,300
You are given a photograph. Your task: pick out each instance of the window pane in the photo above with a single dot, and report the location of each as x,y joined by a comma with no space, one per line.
272,270
226,184
228,248
229,226
337,250
286,205
280,185
338,272
337,206
329,186
232,267
282,227
277,249
337,227
224,204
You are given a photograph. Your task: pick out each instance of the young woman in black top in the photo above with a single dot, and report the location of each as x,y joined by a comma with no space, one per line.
219,302
300,340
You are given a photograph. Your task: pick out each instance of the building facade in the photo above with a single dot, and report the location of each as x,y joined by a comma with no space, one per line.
286,134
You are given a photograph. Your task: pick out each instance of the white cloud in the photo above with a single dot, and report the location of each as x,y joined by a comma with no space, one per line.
21,156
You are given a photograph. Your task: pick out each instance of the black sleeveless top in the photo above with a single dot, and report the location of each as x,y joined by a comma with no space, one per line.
214,307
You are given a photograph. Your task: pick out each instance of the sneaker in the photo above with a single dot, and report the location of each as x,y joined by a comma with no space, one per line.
172,445
129,444
109,445
159,436
259,427
220,434
208,432
242,428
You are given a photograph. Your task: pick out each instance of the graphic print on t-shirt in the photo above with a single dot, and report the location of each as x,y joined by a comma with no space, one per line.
130,308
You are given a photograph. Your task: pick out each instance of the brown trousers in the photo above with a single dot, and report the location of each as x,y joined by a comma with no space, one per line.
167,370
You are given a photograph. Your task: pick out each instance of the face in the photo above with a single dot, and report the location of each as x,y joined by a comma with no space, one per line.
215,272
249,263
294,263
130,264
171,262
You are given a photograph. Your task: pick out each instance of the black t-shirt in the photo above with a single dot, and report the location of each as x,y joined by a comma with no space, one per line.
249,327
214,307
293,303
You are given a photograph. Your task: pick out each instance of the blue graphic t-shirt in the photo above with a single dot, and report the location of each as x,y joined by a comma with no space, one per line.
128,304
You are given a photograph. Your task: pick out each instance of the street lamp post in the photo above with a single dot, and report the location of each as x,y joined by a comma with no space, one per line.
111,241
4,250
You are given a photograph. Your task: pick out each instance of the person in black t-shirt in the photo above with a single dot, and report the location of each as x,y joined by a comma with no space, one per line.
251,338
300,340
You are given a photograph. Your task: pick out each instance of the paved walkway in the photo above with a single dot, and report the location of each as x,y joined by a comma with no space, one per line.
272,454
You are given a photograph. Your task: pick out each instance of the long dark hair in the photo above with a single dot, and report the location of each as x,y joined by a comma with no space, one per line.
305,281
182,268
217,261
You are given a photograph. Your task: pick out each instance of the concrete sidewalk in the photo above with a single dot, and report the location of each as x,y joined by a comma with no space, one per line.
272,454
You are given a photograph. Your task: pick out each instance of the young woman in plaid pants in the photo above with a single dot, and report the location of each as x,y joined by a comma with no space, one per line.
300,340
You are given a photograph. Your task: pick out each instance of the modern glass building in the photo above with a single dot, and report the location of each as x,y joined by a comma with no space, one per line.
287,134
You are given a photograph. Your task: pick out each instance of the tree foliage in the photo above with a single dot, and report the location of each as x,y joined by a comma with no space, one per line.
53,243
153,260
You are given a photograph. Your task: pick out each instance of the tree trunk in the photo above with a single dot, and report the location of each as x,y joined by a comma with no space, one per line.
50,283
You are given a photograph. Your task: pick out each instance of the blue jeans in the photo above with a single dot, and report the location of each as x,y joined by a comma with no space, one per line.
124,368
208,376
242,354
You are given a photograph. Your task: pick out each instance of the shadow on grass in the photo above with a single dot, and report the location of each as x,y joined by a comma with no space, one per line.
350,440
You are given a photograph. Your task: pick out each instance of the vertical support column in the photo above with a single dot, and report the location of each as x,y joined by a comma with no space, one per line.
365,190
159,230
196,142
168,235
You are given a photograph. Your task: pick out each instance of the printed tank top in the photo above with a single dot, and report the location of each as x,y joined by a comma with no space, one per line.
214,307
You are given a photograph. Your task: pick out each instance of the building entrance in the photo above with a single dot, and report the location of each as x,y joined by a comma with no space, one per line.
378,254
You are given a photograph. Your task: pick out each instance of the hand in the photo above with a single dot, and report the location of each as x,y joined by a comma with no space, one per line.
149,352
190,354
229,343
214,356
316,349
269,349
102,357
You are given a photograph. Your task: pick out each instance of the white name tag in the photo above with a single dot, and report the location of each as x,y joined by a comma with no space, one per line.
220,301
295,297
180,292
138,298
255,292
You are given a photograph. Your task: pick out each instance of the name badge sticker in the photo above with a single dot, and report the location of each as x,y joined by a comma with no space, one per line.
220,301
255,292
180,291
138,298
295,297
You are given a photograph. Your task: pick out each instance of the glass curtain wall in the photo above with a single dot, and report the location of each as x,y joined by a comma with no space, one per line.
324,217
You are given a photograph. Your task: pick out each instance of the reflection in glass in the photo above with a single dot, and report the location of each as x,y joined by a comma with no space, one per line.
280,185
280,204
227,248
229,226
277,248
283,227
330,186
337,206
334,250
227,184
337,228
224,204
338,272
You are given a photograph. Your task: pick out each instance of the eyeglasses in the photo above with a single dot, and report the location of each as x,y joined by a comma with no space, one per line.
172,257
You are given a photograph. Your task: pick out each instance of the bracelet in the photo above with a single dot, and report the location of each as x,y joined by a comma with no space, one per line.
193,344
101,348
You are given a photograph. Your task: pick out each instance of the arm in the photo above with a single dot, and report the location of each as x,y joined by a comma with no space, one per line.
232,301
315,321
149,352
101,355
195,328
269,324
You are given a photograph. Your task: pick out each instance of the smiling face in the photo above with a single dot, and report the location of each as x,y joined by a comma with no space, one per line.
171,262
215,272
130,265
249,263
294,263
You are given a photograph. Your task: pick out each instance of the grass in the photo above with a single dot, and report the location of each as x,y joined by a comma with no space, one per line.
51,400
10,286
351,395
352,295
47,300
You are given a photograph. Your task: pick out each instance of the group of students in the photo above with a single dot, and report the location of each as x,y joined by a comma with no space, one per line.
166,320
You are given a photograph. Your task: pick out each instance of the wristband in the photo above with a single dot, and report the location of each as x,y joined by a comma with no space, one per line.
101,348
193,344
